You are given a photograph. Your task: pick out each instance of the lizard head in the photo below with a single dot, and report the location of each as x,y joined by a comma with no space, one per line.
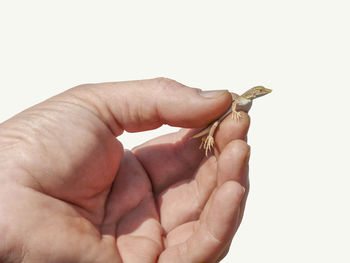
256,92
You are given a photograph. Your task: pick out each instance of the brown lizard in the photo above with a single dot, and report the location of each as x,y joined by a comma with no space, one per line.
241,103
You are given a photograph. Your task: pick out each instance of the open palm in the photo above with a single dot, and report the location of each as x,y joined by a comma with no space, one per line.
74,195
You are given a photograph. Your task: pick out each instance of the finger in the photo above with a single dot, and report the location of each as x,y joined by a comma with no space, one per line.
147,104
233,165
215,229
229,130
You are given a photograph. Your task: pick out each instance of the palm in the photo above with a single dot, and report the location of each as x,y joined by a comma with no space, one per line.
158,198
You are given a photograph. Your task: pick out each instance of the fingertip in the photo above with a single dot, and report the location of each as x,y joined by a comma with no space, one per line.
238,149
188,107
229,130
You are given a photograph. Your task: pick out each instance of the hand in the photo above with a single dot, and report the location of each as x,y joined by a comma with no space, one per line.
69,192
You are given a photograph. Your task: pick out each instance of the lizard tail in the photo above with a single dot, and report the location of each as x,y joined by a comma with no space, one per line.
201,133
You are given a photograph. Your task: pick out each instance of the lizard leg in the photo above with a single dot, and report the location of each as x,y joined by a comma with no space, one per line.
203,141
235,114
209,141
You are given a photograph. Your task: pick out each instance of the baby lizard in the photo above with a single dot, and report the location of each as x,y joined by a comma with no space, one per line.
241,103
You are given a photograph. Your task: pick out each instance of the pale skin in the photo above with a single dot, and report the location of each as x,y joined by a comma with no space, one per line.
70,193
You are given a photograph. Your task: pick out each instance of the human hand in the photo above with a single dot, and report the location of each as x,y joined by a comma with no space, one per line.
69,192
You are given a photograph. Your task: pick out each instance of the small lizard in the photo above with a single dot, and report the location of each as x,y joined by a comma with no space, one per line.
241,103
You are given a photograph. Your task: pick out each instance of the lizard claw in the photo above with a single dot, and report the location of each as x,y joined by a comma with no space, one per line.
208,144
236,115
202,142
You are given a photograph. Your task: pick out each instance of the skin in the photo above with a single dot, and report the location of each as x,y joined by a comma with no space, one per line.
70,193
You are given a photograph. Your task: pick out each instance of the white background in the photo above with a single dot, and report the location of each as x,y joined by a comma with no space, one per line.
298,209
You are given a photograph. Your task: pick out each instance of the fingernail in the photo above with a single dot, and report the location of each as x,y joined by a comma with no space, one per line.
212,93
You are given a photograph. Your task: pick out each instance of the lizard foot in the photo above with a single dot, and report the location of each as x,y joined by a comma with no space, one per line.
208,144
236,115
203,142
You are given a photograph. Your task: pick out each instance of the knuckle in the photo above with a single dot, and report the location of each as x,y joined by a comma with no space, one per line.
165,83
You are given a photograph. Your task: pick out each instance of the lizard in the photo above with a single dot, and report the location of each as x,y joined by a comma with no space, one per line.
241,103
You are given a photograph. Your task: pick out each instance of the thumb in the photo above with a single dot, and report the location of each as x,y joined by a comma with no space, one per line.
147,104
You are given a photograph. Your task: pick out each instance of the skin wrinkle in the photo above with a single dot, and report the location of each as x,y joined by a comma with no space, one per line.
110,120
191,167
10,165
167,86
162,89
106,204
83,104
71,103
29,126
120,220
179,146
151,183
155,116
149,197
135,114
11,139
79,209
118,131
44,149
214,238
146,198
39,187
198,205
197,182
160,118
148,178
91,211
36,127
145,169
